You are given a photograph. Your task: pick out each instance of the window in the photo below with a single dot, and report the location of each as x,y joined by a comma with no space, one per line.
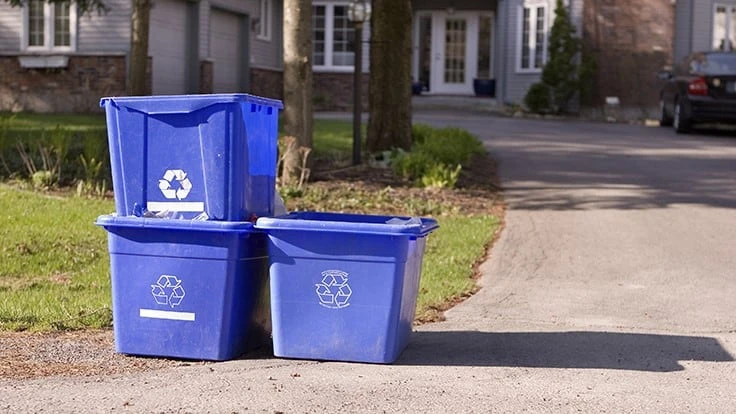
724,28
49,27
264,22
532,50
333,37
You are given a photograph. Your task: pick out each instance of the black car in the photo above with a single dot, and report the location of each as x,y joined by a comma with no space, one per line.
702,89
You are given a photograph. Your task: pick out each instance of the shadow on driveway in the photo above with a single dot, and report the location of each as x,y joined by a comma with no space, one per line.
600,350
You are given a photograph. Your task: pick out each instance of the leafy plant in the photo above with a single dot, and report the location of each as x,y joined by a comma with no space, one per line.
5,121
441,176
561,70
93,183
450,146
561,73
539,98
411,165
420,132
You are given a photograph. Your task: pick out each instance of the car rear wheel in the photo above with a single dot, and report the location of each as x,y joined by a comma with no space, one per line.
664,119
681,122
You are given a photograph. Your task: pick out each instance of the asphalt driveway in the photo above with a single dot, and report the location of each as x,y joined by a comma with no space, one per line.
612,288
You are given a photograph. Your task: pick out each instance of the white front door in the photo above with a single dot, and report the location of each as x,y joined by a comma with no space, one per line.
454,52
451,49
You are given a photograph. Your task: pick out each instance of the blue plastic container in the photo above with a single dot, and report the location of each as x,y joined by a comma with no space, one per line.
343,287
193,154
187,289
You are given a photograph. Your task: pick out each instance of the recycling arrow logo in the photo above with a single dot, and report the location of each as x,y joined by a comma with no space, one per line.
172,179
168,291
334,291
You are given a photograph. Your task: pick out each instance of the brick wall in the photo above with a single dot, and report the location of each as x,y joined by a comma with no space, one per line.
334,91
76,88
206,76
267,83
630,40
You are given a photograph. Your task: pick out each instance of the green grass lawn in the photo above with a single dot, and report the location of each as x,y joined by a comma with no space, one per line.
54,266
53,262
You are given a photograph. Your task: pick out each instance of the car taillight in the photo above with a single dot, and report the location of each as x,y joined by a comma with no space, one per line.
697,86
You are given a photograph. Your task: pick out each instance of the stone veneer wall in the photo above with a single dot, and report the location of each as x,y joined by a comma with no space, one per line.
630,40
268,83
334,91
75,88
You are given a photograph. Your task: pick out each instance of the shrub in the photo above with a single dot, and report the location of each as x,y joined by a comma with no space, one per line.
538,98
420,132
450,146
441,176
437,156
411,165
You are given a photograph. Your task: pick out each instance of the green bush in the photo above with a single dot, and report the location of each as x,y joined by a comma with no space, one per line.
450,146
420,132
437,156
538,98
441,176
411,165
68,155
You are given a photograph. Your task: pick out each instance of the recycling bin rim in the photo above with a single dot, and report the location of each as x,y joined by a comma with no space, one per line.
180,104
109,220
346,223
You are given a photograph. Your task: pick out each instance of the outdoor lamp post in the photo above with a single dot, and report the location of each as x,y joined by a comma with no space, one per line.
359,11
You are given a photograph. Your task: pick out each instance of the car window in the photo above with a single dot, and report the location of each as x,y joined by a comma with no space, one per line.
719,64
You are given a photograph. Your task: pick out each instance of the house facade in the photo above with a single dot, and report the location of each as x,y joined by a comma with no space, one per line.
54,60
703,25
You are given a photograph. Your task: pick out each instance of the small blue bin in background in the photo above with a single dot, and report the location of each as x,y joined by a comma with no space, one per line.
343,287
193,153
187,289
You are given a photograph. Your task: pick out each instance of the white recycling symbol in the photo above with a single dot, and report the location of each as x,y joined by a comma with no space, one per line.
184,185
168,291
334,291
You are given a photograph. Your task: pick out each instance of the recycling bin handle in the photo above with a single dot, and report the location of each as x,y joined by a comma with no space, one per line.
146,107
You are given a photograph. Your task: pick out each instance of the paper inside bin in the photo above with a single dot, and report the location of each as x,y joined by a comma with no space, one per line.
406,222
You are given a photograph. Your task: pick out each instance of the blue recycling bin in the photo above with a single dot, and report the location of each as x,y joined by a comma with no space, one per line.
343,287
187,289
193,153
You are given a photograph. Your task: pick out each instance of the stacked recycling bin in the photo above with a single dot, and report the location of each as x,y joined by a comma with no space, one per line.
189,272
194,242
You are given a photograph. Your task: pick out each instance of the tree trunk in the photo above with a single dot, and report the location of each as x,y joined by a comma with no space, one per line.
297,84
389,124
139,46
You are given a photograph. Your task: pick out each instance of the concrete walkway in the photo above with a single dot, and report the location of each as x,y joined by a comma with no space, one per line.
612,288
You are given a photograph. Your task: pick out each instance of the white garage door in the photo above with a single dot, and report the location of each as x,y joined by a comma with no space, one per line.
225,50
167,46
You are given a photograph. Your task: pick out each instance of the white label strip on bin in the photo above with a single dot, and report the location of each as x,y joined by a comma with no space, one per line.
174,316
178,206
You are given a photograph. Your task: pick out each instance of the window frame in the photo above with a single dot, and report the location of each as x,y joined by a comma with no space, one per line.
730,11
49,20
328,66
532,5
265,22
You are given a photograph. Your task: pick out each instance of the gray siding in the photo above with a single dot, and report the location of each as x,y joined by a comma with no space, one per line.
269,54
683,29
516,84
501,49
10,28
702,16
694,26
108,32
263,54
455,4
